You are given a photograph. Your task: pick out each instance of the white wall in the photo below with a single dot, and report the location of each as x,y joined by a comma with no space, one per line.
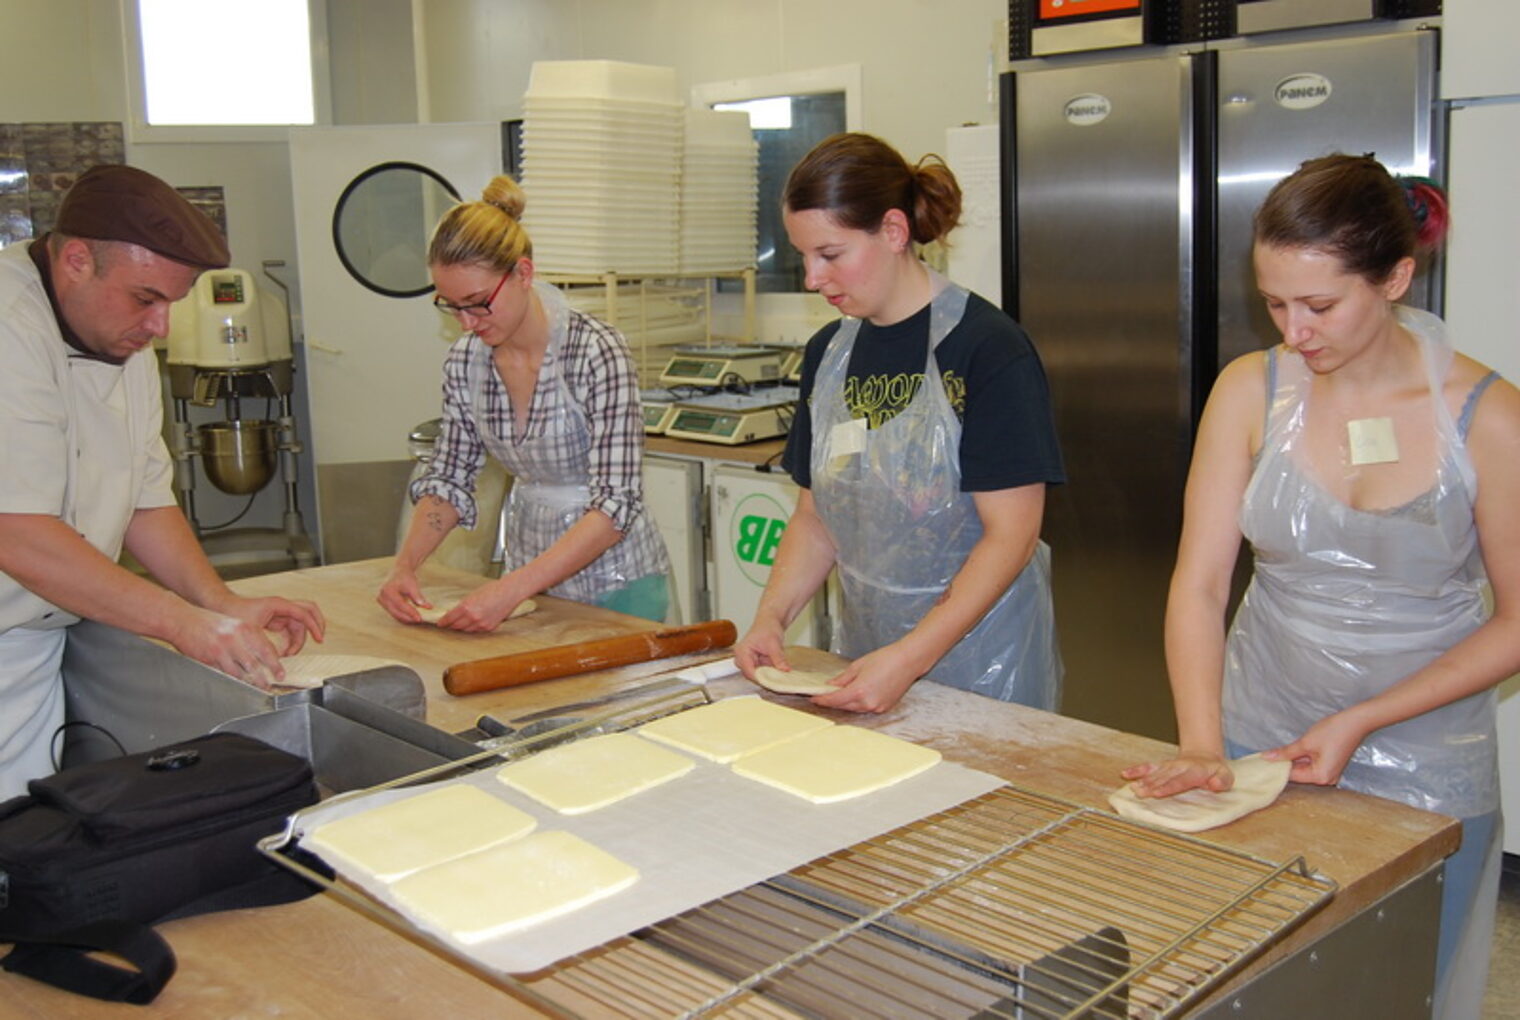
926,64
63,61
1481,78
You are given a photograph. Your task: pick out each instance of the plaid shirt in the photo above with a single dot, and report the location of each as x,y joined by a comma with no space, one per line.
598,370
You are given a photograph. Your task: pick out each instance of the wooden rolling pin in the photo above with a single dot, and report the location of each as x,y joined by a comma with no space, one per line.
567,660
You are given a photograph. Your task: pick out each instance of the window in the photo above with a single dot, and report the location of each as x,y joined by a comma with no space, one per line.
789,114
225,64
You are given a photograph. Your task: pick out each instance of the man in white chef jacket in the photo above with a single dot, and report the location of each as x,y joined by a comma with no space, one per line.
84,472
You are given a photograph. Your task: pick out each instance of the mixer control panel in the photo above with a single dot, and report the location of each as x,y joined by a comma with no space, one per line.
227,290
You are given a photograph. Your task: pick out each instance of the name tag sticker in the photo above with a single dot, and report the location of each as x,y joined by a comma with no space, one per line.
1372,441
848,437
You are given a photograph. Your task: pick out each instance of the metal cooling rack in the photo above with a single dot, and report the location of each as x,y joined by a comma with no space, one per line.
1011,905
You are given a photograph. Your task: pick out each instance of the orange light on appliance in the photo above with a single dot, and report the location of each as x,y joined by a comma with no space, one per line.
1055,10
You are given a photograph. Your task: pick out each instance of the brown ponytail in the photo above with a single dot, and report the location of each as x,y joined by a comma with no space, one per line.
857,178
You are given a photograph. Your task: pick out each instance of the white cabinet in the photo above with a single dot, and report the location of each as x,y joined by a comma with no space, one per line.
673,497
722,523
1509,761
749,511
1478,48
1483,251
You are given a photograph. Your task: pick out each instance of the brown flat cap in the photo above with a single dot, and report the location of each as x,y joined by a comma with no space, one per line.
123,203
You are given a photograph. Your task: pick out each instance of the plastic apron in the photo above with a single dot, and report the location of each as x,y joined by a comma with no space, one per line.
1345,603
891,500
551,473
101,487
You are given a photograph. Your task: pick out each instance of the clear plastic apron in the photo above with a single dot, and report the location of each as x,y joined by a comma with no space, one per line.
1345,603
551,471
903,528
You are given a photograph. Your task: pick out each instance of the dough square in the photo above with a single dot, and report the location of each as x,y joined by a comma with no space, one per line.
588,774
732,728
404,836
837,763
796,681
512,886
1257,784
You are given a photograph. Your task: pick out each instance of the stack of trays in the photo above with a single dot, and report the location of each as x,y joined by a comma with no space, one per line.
718,192
601,167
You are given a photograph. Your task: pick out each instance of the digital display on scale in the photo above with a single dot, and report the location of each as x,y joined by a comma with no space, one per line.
692,368
703,421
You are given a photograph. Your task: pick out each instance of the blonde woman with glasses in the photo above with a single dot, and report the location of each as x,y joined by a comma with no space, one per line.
552,394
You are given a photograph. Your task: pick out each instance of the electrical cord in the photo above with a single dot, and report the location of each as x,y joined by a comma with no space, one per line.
53,743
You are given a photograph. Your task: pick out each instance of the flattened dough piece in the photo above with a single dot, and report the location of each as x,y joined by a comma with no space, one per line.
404,836
588,774
796,681
1257,784
441,606
732,728
512,886
837,763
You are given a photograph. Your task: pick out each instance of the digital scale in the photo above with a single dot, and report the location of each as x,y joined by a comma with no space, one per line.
734,418
722,365
659,409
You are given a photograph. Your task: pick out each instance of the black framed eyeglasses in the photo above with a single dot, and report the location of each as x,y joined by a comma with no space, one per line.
476,309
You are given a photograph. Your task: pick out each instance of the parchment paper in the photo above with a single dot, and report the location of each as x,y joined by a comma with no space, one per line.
699,837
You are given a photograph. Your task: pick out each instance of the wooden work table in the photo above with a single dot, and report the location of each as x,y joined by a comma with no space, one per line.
320,959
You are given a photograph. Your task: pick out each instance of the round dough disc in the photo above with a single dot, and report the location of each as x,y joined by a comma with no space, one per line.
796,681
1257,784
435,614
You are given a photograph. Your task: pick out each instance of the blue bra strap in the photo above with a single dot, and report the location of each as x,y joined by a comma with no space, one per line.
1464,421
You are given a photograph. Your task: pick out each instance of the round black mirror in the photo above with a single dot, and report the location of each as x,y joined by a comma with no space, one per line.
383,222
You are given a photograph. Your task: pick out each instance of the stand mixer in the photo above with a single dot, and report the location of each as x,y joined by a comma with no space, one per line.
229,342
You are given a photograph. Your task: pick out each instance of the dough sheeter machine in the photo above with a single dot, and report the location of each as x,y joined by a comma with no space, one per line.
1009,904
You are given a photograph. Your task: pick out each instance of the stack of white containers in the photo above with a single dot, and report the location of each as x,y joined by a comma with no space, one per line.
719,188
601,167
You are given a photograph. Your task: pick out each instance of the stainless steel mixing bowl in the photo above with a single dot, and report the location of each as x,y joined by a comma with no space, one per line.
239,456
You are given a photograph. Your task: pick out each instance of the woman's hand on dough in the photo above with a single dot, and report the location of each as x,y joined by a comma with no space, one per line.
1321,754
872,683
1192,771
761,646
400,596
484,608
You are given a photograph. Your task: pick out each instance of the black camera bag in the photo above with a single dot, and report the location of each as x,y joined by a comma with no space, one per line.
92,856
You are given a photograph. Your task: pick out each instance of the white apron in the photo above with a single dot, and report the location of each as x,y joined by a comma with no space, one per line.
102,480
903,528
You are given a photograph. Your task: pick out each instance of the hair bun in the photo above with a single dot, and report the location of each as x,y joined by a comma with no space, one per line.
505,194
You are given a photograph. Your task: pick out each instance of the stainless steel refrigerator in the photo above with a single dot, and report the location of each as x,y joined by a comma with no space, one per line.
1127,258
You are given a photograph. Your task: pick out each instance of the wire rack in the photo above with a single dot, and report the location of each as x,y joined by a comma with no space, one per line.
1011,905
